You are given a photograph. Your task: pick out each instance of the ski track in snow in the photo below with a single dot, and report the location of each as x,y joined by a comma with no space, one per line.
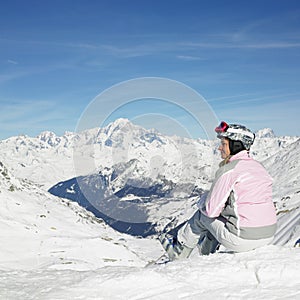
288,224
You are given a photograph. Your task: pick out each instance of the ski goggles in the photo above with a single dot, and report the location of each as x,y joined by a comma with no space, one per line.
222,127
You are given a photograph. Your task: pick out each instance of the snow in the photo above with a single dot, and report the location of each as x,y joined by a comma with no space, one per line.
51,248
267,273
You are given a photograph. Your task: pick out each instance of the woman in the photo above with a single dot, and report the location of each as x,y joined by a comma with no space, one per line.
238,211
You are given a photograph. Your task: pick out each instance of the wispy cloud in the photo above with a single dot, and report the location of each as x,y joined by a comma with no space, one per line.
33,116
33,69
243,45
12,62
271,45
4,77
278,115
189,57
231,97
268,98
14,110
248,98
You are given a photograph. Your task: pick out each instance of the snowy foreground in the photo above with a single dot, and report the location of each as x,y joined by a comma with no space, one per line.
270,273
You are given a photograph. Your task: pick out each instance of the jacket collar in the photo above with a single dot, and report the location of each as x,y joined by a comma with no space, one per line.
244,154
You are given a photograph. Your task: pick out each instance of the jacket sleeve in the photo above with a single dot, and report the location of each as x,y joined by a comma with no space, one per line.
215,201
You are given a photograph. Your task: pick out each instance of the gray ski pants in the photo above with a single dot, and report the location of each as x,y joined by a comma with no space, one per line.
207,233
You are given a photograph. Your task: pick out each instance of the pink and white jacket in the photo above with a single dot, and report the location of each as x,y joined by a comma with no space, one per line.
241,196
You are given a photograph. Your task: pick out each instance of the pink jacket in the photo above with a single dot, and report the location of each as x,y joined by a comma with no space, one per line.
241,195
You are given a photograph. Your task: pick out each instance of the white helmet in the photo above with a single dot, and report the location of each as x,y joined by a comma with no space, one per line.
242,138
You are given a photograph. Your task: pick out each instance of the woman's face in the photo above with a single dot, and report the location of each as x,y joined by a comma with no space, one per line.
224,148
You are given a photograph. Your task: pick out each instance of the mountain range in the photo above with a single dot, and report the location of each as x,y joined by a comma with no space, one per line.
137,179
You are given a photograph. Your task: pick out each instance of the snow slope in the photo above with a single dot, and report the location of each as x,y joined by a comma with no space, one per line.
51,248
39,230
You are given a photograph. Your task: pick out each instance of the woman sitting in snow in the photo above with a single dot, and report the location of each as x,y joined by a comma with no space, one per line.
238,211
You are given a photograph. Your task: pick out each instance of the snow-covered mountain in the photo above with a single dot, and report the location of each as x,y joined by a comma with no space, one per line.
52,248
48,159
144,176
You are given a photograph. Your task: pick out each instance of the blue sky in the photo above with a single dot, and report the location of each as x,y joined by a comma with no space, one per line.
243,57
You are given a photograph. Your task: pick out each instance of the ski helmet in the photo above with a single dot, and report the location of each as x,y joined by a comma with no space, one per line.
240,137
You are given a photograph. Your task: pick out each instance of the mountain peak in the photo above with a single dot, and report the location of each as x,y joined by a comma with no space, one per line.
265,133
119,125
121,122
49,137
45,135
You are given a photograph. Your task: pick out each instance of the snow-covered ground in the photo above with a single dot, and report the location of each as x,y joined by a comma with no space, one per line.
51,248
268,273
